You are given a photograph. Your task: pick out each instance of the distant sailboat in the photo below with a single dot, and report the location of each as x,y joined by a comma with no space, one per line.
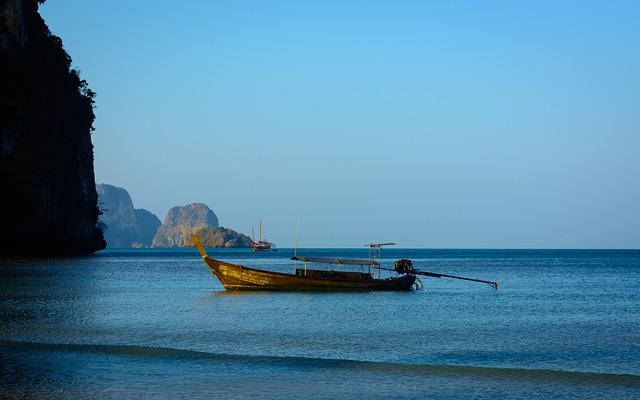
260,245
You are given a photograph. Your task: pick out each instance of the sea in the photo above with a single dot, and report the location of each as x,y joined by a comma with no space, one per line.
154,323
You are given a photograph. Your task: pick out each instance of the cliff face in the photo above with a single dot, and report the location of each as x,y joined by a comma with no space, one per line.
183,222
125,226
49,204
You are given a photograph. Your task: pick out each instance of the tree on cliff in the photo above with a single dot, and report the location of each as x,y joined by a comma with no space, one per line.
49,203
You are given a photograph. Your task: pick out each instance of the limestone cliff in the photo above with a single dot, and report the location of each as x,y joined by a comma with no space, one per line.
49,204
125,226
182,222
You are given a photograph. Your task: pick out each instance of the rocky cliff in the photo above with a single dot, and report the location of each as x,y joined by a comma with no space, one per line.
183,222
49,203
125,226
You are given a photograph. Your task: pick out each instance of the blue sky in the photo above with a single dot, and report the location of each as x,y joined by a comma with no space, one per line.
436,124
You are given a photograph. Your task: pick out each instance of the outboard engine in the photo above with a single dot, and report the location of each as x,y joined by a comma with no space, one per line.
404,266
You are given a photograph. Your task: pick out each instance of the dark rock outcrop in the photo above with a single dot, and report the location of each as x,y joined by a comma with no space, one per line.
49,204
183,222
125,225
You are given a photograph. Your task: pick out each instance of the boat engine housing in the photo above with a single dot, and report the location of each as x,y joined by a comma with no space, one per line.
404,266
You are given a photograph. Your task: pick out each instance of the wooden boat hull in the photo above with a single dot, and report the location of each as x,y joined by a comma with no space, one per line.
237,277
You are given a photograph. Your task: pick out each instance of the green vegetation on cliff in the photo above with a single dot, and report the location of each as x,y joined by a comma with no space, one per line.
221,237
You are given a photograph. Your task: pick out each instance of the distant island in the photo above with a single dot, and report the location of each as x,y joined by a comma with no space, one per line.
123,225
183,222
128,227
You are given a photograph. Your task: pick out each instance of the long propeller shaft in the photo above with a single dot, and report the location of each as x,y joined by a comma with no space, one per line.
433,274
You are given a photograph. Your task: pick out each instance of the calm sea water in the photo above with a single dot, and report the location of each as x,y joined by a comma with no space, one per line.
155,324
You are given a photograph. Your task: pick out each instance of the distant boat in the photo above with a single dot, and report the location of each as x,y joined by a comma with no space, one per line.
238,277
260,245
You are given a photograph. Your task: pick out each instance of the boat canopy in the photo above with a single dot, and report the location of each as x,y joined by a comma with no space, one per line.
343,261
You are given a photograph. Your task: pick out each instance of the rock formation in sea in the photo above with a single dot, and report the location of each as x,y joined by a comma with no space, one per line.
49,203
125,226
183,222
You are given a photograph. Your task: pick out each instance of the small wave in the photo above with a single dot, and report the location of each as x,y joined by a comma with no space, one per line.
304,363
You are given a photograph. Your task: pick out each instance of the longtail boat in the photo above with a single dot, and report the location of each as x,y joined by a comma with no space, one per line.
238,277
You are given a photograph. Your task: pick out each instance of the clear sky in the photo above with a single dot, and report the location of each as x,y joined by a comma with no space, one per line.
435,124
